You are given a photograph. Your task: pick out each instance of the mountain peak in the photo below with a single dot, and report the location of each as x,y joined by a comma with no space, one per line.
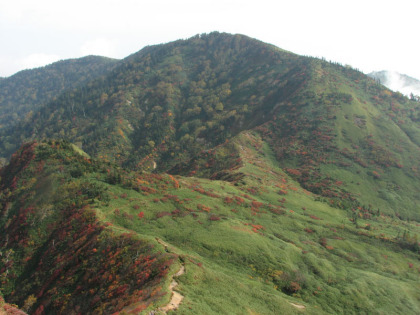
262,174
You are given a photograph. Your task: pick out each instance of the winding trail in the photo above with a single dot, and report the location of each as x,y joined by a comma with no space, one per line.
177,297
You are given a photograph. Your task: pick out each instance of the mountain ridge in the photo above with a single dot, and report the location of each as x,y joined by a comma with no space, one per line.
159,49
28,90
274,180
167,103
272,236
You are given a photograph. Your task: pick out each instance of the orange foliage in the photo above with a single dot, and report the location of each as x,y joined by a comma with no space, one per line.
176,183
203,208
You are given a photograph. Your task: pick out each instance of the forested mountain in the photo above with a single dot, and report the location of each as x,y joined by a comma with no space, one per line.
278,184
165,104
184,96
25,92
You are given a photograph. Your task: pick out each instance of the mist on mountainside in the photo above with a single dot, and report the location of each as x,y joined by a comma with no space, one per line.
397,82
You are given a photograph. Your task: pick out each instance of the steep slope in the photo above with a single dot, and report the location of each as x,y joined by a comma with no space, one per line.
260,245
348,138
25,92
343,137
56,255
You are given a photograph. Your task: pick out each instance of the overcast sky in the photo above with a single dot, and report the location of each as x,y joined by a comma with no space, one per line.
367,34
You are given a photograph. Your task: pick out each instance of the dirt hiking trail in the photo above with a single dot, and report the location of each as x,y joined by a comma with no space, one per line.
176,297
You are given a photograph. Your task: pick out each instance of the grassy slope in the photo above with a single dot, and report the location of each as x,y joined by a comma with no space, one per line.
56,256
299,243
345,126
251,247
396,190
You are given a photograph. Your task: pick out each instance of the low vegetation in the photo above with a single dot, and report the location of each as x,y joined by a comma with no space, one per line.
277,184
92,244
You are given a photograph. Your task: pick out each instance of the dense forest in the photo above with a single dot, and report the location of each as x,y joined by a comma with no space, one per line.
25,92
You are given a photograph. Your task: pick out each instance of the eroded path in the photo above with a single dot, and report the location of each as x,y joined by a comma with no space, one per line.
301,307
176,298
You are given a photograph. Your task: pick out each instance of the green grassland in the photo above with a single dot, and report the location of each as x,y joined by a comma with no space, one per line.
272,245
249,247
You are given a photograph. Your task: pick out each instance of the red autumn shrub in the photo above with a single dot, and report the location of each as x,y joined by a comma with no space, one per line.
162,214
294,287
214,218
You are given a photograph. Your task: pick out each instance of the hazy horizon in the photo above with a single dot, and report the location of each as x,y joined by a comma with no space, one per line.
369,36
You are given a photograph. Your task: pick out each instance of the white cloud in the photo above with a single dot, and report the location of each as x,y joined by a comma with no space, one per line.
396,82
99,46
7,66
37,60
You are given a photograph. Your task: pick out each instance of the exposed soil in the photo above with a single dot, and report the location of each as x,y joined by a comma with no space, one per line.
301,307
176,297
